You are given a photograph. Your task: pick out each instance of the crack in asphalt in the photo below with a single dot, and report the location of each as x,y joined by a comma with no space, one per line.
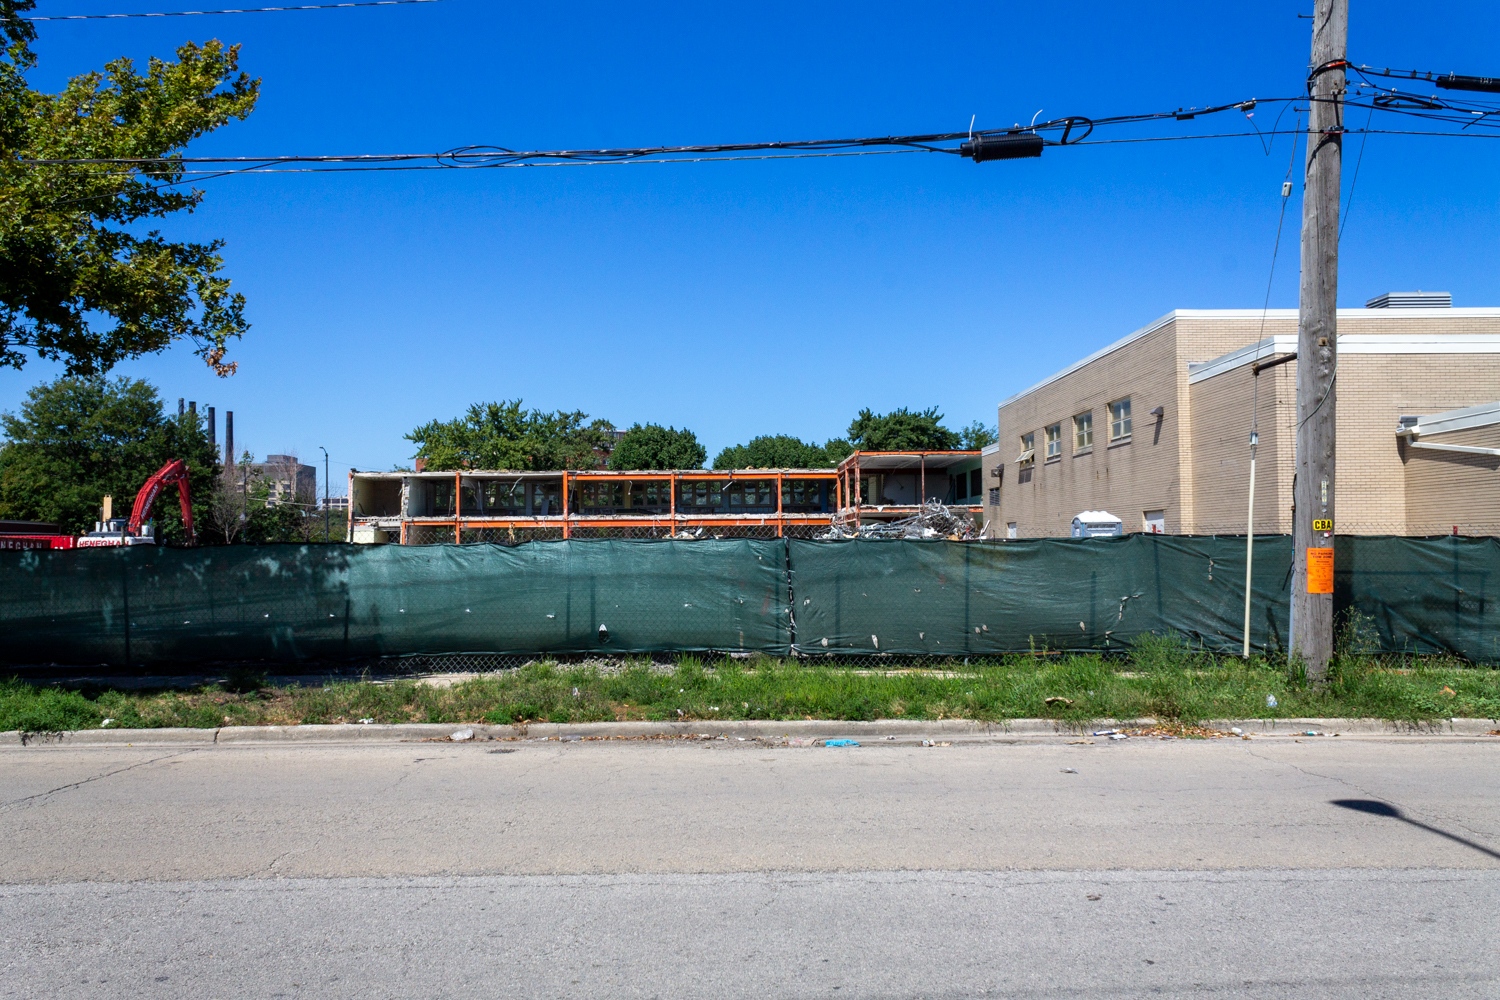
85,781
1405,810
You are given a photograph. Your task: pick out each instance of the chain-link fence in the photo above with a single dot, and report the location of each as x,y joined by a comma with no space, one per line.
636,531
506,536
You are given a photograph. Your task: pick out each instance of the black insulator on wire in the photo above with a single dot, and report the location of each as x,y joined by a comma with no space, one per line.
1455,82
1002,147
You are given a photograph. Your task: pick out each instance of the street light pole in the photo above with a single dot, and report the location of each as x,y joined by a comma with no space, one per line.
327,525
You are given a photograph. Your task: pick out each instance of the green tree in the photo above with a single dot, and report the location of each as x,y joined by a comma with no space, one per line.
782,451
77,439
508,436
976,436
80,282
902,430
652,446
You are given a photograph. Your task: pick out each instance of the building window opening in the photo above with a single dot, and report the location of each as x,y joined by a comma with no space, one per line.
1027,459
976,482
803,496
545,498
1054,442
754,495
1010,530
1156,522
961,487
1119,420
1083,431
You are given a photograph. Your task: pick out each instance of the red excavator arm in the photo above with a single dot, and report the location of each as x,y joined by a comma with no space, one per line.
175,471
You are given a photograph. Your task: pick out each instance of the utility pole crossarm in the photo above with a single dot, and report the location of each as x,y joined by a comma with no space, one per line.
1317,344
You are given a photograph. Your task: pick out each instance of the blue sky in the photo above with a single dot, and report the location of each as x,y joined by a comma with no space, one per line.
772,296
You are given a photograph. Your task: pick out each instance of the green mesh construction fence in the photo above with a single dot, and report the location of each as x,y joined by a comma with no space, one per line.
929,598
292,603
300,604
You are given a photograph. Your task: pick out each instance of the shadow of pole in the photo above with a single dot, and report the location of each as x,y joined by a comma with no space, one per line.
1377,808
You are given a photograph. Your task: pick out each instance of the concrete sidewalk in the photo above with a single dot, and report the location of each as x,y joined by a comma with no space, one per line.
888,730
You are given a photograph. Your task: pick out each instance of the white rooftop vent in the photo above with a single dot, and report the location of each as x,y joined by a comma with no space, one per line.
1412,300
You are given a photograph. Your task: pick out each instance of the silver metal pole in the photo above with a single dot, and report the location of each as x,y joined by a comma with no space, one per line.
1250,540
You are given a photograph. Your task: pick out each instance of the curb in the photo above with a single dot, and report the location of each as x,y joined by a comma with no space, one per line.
801,729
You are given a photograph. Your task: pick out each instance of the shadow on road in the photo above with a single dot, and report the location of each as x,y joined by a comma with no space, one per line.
1376,808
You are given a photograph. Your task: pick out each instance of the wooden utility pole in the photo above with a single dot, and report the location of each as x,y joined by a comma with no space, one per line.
1317,344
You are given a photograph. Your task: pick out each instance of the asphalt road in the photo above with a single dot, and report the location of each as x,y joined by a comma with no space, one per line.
1264,868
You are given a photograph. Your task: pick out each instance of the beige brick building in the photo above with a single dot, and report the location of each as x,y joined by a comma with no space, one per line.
1155,428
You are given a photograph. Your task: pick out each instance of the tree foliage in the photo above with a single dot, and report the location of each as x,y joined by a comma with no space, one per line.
782,451
652,446
77,439
902,430
976,436
79,281
508,436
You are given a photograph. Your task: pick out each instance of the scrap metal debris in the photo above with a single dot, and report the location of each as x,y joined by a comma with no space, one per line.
932,520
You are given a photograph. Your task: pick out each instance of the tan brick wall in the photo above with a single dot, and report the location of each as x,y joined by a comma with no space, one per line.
1221,450
1196,467
1376,389
1126,478
1445,490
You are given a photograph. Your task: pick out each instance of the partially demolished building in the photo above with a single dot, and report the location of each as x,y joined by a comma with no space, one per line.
474,506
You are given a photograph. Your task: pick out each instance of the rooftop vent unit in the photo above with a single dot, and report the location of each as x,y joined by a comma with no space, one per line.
1412,300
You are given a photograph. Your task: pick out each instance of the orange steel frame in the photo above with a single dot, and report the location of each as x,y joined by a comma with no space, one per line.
568,520
852,489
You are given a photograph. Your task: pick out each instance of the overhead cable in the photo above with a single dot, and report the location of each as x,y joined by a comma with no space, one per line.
240,10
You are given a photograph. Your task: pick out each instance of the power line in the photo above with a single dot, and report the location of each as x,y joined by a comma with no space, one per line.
354,163
1062,133
241,10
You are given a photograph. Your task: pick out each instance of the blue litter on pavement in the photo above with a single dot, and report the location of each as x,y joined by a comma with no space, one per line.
840,743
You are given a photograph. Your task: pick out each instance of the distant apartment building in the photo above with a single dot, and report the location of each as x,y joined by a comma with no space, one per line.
1155,427
287,480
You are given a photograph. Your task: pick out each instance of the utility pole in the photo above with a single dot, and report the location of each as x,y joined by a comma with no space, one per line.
1317,344
327,524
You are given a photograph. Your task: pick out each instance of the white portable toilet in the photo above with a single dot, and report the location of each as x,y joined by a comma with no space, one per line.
1097,524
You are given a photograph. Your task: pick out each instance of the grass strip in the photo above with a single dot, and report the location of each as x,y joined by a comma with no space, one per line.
1162,679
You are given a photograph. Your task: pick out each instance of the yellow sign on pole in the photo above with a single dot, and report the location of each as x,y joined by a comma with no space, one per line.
1320,571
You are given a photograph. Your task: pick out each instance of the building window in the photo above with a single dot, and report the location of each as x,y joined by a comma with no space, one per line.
976,482
1156,522
1010,530
1027,459
1083,431
1119,419
1054,442
961,487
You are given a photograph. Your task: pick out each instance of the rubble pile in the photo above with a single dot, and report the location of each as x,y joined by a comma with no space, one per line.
932,520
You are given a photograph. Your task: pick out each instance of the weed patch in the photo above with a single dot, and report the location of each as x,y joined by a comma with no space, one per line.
1164,679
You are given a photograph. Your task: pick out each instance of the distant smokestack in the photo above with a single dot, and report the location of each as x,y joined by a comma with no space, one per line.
229,437
193,410
213,440
179,408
